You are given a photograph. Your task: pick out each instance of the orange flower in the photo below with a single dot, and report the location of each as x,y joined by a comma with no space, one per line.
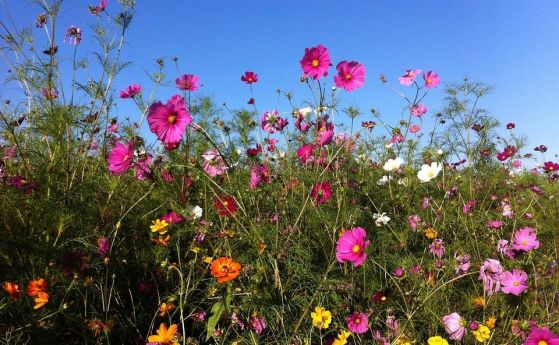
162,241
225,269
164,335
166,308
41,300
36,286
12,289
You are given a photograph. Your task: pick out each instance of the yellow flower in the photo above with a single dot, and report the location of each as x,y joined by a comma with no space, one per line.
491,322
159,225
437,340
164,335
321,318
482,333
430,233
479,302
342,338
403,340
207,259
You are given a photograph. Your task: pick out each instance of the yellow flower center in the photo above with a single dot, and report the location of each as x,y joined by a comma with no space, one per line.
315,63
225,203
542,342
356,248
172,119
125,158
524,242
348,76
515,284
429,81
430,174
383,298
357,321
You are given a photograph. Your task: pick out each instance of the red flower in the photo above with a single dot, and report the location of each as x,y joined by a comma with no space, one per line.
249,77
549,167
510,151
225,205
510,125
321,192
502,156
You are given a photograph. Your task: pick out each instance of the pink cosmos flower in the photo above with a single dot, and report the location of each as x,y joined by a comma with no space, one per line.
413,221
469,206
121,157
358,322
351,246
141,168
103,246
463,263
419,110
495,224
214,164
130,91
113,127
437,248
305,153
249,77
300,125
259,175
325,132
188,82
351,75
100,8
316,61
490,273
257,323
415,128
541,336
271,144
525,240
514,282
172,218
408,78
321,192
550,167
73,35
271,122
168,121
431,79
49,93
454,326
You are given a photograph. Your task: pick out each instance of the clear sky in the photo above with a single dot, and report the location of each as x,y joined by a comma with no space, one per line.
512,45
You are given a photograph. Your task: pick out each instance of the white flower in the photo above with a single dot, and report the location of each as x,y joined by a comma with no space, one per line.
305,111
427,173
381,219
195,212
403,182
384,180
440,152
389,145
393,164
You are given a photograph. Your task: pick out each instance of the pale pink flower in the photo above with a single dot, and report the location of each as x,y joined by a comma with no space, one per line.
514,282
490,273
408,78
525,240
419,110
431,79
454,326
214,165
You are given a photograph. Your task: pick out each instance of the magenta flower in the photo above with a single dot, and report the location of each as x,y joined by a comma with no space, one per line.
259,175
351,246
541,336
431,79
321,192
141,168
437,248
271,122
257,323
316,61
301,123
188,82
121,157
249,77
305,153
103,246
168,121
419,110
130,91
454,326
100,8
325,132
214,165
172,218
514,282
358,322
408,78
415,128
525,240
550,167
351,75
73,35
490,272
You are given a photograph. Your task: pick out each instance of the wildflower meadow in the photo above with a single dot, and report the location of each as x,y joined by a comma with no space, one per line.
301,222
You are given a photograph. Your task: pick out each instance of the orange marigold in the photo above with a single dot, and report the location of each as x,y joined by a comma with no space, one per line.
41,300
13,289
36,286
225,269
164,335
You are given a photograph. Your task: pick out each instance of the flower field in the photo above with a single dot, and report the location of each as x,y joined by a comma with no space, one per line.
307,222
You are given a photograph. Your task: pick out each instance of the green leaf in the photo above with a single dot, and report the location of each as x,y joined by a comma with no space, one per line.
216,311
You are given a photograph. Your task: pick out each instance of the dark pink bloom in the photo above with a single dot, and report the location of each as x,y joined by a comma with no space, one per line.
510,151
514,282
103,246
469,206
321,192
408,78
305,153
121,157
253,151
351,246
431,79
454,326
49,93
259,175
141,168
418,110
550,167
271,144
73,35
316,61
172,218
300,125
271,122
351,75
510,125
130,91
257,323
490,273
502,156
358,322
249,77
188,82
168,121
541,336
100,8
113,127
325,132
525,240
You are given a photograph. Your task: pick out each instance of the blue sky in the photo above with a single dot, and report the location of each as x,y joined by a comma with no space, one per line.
511,45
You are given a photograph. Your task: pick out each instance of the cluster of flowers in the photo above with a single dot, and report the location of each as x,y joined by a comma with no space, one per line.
35,288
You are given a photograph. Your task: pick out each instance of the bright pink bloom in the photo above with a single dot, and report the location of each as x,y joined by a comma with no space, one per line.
305,153
113,127
321,192
351,75
100,8
358,322
525,240
259,175
141,168
257,323
541,336
316,61
121,157
169,121
502,156
351,246
514,282
172,218
431,79
300,125
271,122
415,128
325,132
188,82
408,78
249,77
214,165
437,248
550,167
454,326
418,110
130,91
490,273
